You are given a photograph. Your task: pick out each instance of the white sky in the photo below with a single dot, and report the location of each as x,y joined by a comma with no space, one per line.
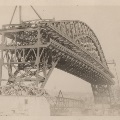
105,22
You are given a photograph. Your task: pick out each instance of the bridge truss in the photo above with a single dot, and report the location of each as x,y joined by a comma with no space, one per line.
66,106
32,49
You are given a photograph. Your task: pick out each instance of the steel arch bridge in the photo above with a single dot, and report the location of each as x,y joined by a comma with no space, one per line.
31,50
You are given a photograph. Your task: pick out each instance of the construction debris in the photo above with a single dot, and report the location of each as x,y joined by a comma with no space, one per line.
21,90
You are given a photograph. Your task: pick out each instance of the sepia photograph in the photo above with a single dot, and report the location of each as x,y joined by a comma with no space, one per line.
59,60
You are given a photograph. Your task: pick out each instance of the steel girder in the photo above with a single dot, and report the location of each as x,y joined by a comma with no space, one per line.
26,63
37,47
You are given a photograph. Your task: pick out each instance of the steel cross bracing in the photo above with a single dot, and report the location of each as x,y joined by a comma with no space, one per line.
35,48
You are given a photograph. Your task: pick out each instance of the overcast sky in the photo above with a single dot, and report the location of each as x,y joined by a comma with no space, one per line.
105,22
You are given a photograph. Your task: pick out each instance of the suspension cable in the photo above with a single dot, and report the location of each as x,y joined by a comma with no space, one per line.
13,15
36,12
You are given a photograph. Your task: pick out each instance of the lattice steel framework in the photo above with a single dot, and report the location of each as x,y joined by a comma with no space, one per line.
31,50
65,105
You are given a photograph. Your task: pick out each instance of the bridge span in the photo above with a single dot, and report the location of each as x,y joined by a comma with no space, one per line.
32,49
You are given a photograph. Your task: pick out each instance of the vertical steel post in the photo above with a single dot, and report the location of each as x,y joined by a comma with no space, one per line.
1,63
1,57
20,14
38,55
